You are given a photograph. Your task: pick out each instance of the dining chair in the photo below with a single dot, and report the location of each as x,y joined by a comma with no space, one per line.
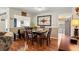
19,34
46,37
29,35
23,35
32,36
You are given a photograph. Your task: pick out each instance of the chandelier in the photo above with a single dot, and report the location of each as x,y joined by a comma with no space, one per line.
77,10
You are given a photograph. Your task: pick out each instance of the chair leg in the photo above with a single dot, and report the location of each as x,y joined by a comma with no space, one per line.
14,37
32,42
47,42
43,41
39,41
27,41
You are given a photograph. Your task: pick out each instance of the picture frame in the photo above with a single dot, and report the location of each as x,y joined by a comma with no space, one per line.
44,20
23,13
22,22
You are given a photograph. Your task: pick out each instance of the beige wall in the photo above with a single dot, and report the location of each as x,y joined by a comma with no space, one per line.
15,30
54,33
14,11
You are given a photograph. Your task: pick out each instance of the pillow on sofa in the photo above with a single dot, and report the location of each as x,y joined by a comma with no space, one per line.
10,34
5,43
2,33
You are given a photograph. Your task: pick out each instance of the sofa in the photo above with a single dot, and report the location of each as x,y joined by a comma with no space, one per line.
5,40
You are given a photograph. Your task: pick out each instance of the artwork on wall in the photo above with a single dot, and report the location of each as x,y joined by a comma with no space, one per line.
44,20
23,13
21,23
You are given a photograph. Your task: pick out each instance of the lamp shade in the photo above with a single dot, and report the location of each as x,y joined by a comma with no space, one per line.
75,22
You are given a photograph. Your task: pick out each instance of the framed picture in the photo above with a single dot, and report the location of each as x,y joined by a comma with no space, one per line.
23,13
44,20
22,22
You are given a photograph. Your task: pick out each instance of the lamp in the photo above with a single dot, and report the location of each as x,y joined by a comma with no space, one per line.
75,23
61,18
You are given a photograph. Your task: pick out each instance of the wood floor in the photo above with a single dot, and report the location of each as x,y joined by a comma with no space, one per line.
65,44
21,45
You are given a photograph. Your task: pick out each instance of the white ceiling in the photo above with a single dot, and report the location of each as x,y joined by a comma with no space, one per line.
56,10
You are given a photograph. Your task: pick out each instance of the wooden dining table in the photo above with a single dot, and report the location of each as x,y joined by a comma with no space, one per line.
38,34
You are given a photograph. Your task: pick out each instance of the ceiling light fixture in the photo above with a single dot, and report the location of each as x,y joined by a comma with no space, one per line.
39,8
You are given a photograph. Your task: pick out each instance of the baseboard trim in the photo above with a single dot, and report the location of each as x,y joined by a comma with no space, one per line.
61,50
53,38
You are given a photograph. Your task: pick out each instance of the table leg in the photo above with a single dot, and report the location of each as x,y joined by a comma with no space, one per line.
14,37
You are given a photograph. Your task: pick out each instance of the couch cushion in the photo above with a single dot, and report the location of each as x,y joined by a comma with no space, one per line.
10,34
5,42
2,33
